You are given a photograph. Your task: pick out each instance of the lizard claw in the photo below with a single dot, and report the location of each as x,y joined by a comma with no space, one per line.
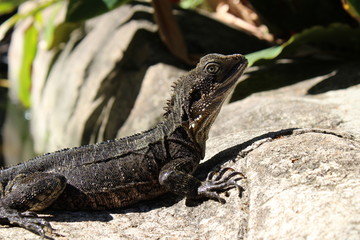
36,225
29,214
220,181
29,220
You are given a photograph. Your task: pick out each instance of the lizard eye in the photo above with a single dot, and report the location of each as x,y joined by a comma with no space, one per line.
212,68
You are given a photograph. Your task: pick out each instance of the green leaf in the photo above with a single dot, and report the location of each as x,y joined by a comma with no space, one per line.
110,4
30,48
4,27
6,7
335,41
190,4
49,31
61,34
268,53
353,8
80,10
287,17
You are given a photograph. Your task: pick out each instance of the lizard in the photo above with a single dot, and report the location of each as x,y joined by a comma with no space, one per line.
118,173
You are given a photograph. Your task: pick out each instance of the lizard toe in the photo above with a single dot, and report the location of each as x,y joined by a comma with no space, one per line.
220,181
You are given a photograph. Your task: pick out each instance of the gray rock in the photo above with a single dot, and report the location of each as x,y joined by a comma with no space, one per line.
147,110
300,184
90,82
84,90
310,193
292,106
300,153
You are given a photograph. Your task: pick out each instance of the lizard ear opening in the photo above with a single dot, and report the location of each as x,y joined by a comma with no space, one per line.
194,103
195,95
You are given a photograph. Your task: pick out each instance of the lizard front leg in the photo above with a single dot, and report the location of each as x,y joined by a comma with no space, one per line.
176,177
27,193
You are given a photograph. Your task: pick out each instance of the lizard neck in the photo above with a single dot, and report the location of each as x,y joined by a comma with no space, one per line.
198,96
177,118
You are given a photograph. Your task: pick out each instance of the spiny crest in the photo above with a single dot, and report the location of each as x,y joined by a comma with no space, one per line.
168,107
170,102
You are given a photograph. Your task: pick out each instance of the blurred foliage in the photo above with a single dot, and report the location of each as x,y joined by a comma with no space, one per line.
353,8
190,4
326,28
337,41
80,10
285,18
30,44
6,8
50,32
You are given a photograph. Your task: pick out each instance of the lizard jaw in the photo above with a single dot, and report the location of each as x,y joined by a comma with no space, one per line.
209,105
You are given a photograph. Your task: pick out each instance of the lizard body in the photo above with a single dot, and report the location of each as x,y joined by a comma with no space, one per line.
121,172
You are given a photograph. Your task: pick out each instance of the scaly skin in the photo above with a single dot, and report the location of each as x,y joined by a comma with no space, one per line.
121,172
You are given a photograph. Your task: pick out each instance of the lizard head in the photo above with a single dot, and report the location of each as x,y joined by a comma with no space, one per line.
201,93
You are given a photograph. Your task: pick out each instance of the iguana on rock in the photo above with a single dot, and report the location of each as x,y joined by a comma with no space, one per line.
121,172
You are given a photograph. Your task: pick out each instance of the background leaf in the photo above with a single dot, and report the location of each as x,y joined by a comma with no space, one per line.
353,8
338,41
80,10
30,48
335,41
268,53
190,4
6,7
284,18
111,3
50,26
9,23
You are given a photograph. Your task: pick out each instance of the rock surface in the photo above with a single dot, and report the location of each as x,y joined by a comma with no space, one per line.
83,91
302,183
298,145
147,110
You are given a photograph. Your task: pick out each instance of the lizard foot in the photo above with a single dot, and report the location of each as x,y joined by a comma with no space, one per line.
220,181
28,220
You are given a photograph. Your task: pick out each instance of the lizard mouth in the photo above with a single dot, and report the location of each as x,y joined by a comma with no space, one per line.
217,98
231,78
207,110
234,73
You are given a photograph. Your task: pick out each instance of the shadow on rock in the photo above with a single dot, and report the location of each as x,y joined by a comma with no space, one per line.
282,73
347,75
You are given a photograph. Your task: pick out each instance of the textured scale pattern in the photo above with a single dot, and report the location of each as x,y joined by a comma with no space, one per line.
121,172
